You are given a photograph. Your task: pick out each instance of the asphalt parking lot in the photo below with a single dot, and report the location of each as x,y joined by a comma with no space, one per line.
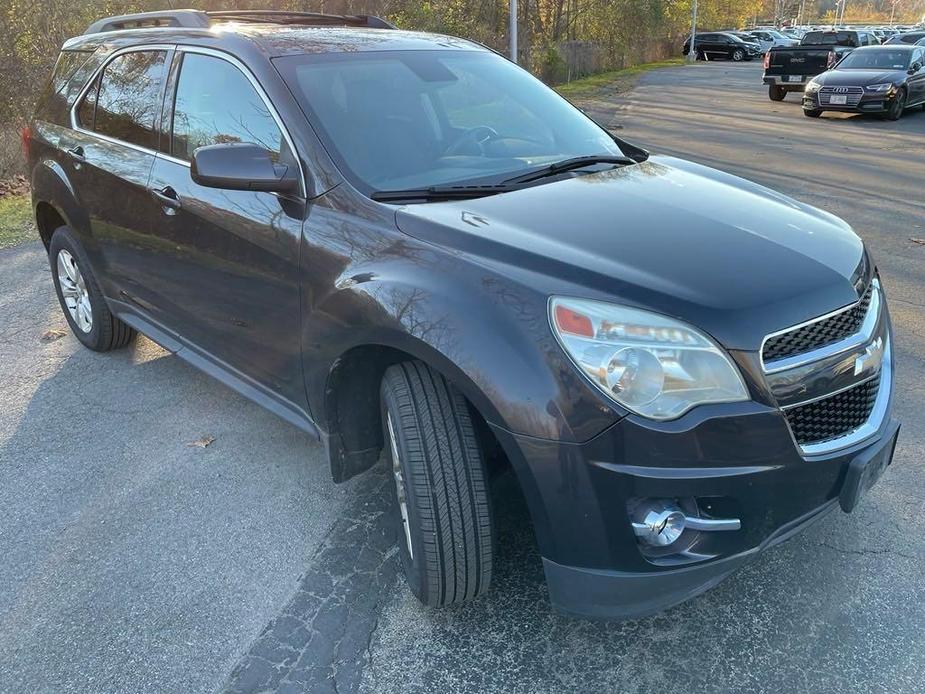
135,560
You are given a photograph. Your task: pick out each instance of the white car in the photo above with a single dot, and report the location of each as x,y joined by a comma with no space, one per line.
771,38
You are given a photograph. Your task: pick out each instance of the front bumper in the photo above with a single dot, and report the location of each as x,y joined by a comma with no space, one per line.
870,103
737,460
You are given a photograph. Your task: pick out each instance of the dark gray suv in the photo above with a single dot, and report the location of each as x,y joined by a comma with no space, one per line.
404,244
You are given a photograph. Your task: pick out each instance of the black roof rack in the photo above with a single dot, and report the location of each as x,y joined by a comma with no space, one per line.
196,19
302,18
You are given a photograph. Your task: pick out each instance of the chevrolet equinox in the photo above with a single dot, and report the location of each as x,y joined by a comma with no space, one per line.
407,246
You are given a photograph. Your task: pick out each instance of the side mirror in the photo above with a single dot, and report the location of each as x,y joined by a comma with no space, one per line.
242,166
914,68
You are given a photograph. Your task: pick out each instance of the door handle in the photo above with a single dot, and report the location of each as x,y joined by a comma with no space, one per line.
168,197
77,154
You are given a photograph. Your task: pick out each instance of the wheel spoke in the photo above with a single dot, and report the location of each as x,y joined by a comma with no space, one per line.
74,291
399,484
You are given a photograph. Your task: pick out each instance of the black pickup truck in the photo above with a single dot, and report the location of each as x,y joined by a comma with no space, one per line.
788,69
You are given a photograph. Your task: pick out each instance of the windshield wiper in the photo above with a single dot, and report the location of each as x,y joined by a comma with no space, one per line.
438,193
568,165
441,193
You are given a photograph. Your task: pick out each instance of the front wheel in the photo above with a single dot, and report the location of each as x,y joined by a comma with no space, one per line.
898,106
776,92
738,55
81,299
441,508
812,112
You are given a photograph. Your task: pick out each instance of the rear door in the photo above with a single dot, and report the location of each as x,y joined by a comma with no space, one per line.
706,44
224,268
111,151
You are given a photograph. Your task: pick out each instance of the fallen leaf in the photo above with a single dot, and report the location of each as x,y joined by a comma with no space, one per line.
204,442
52,335
921,242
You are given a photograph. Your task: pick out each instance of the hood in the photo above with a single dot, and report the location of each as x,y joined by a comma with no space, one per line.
724,254
859,78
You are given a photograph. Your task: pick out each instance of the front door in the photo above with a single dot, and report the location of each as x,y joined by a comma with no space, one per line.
225,274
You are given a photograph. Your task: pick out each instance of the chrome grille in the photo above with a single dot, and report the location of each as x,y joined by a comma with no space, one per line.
819,334
834,416
853,95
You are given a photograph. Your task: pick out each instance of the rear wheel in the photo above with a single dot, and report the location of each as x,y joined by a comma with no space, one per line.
898,106
81,299
442,512
702,56
738,55
812,112
776,92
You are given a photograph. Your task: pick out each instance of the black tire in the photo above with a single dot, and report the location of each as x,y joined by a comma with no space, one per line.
812,112
897,107
106,331
776,92
738,55
442,475
702,56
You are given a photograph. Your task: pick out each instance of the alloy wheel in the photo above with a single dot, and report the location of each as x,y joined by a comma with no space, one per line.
399,484
74,290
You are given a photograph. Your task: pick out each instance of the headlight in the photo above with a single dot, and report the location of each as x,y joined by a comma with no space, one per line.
812,86
650,364
885,87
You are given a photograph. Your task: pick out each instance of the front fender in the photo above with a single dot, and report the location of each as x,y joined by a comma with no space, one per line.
486,333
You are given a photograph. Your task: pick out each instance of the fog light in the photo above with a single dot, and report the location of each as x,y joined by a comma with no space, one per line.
659,523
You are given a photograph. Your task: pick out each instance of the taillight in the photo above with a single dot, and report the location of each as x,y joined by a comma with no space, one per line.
25,139
767,60
833,58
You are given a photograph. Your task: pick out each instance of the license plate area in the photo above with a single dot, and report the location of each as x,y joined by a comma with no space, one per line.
793,78
838,99
866,469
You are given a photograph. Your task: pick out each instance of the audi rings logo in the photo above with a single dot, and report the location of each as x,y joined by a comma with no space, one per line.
841,90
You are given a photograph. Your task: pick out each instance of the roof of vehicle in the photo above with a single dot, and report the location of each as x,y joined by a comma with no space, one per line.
891,47
270,37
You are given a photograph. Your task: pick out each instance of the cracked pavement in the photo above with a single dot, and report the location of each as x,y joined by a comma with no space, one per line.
134,562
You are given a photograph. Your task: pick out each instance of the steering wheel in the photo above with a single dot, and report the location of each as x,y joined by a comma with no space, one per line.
476,136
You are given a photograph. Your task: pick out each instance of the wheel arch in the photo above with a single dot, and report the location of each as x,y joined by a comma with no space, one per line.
351,421
54,202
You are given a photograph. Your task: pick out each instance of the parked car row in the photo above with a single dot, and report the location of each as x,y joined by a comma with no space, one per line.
844,69
884,79
737,45
877,79
723,45
788,69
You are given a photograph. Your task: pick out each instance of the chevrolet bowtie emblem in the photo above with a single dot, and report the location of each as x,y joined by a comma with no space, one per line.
871,358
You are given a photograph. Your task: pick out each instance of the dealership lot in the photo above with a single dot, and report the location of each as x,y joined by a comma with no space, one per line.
136,561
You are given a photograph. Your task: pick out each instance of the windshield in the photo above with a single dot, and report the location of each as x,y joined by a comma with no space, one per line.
875,60
411,119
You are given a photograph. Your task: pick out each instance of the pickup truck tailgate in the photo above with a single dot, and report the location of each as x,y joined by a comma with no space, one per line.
797,61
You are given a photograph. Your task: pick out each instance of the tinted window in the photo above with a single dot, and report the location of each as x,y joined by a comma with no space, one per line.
216,103
88,105
829,38
130,96
65,67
